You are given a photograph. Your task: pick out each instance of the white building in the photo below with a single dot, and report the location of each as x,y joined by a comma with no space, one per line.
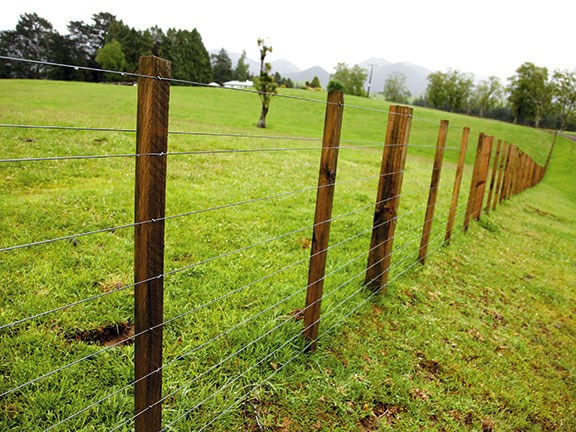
239,84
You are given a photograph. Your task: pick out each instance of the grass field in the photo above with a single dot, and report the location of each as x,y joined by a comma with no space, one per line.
481,338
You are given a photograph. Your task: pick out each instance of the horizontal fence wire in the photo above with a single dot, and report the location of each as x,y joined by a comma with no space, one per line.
182,153
192,133
193,83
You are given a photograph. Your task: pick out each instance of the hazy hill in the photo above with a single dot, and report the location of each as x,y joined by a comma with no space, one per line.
415,75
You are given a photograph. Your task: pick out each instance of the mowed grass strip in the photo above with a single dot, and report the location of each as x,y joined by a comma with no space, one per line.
213,361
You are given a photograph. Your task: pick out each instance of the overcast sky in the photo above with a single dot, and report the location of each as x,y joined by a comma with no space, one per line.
488,37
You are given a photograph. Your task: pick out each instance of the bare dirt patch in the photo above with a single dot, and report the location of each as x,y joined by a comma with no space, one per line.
116,334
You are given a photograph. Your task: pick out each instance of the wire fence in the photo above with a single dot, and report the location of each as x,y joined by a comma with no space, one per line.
230,275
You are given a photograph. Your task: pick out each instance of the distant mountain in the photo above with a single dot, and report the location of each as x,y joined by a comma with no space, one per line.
381,69
415,75
309,74
284,67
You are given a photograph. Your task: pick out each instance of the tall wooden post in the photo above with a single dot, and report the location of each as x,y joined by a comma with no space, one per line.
503,160
388,197
457,184
324,201
482,177
545,168
475,176
493,178
506,179
433,193
150,199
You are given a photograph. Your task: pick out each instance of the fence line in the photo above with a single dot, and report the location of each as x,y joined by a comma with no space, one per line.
513,171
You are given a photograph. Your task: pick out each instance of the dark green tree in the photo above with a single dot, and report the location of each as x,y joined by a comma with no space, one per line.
352,79
34,39
87,39
265,83
134,43
242,70
530,93
111,57
221,67
395,89
315,84
186,51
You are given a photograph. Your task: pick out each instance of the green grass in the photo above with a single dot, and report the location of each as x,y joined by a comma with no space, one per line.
483,335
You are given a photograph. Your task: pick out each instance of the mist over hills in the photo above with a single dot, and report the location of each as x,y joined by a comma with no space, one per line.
381,68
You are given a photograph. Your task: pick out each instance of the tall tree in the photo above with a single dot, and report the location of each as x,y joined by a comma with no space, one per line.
186,51
221,66
242,70
111,57
87,39
449,91
395,89
564,85
530,93
32,39
265,83
487,95
351,79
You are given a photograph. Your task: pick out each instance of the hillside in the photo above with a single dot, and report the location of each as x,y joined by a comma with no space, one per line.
481,338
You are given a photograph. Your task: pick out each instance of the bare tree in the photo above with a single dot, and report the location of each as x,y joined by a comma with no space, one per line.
265,83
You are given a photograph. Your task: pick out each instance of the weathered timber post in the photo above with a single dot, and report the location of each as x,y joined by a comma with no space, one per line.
483,177
388,197
150,200
493,178
503,160
507,179
550,154
457,184
433,193
323,215
475,175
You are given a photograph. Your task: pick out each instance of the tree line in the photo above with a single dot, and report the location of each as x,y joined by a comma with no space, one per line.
106,42
533,96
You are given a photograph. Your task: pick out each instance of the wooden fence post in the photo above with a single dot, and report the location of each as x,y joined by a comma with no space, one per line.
493,177
475,175
457,184
388,197
324,201
150,199
433,193
506,180
503,160
483,177
545,168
